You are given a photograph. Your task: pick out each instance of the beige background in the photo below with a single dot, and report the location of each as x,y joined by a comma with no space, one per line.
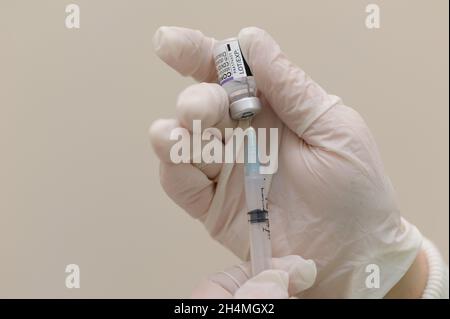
79,182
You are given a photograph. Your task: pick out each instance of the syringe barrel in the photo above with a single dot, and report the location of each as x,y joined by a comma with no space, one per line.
254,192
260,251
258,218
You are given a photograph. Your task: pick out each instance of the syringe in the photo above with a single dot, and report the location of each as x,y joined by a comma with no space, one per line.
236,78
258,216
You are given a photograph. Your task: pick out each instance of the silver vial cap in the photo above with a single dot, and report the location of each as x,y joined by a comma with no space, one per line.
245,108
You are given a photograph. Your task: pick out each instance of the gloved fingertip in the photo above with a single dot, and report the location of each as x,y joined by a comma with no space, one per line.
280,276
158,126
158,38
169,43
203,101
272,283
302,276
247,36
159,133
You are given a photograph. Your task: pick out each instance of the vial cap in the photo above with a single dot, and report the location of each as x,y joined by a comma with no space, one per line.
245,108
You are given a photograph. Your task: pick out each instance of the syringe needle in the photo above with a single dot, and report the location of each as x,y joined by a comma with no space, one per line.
258,217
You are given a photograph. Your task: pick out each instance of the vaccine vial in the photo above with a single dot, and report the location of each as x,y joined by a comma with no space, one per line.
236,78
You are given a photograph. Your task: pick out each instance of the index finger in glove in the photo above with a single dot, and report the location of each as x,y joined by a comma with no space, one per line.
187,51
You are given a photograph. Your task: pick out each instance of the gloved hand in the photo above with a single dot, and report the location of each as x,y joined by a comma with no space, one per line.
330,200
289,276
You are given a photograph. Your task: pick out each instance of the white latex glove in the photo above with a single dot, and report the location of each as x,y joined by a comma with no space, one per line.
289,276
330,200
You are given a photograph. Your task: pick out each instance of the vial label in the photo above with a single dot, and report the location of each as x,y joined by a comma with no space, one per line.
230,62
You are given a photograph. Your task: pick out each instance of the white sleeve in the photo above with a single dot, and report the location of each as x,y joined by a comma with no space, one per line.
437,284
